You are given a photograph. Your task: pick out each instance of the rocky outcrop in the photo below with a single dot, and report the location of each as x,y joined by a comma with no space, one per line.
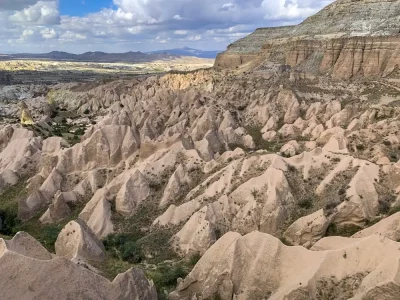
308,230
388,227
247,48
342,58
184,159
77,241
57,210
329,42
23,244
258,265
30,265
361,56
134,191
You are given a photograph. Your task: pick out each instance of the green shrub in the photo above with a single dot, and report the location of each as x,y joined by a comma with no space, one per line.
194,259
124,247
9,221
130,252
343,230
165,276
254,193
157,246
305,203
49,235
255,133
80,131
384,206
394,210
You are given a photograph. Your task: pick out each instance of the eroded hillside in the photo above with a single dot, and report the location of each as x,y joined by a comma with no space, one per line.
273,180
179,160
346,39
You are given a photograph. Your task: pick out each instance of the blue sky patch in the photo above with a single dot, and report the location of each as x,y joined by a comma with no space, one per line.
83,7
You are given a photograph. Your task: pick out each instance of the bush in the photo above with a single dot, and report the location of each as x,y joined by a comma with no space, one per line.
49,235
194,259
255,133
384,206
343,230
124,247
80,131
218,233
360,147
130,252
305,203
157,246
8,222
166,276
254,193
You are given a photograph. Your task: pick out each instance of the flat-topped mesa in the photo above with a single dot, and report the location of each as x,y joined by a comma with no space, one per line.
345,39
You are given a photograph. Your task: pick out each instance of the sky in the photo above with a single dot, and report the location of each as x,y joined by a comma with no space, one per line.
77,26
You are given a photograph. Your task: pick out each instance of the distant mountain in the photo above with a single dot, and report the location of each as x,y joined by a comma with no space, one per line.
127,57
94,56
186,51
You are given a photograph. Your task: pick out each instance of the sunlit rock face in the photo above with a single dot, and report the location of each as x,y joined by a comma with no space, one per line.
345,39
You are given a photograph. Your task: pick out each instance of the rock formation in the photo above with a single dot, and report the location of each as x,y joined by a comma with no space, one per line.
222,164
259,266
328,42
31,265
77,241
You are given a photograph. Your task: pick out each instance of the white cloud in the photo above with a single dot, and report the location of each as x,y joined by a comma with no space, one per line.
135,29
135,24
27,33
177,17
194,38
70,36
283,9
180,32
48,33
227,7
43,12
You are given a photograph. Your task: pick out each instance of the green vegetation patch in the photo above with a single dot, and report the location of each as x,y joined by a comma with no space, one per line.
45,233
9,207
344,230
261,144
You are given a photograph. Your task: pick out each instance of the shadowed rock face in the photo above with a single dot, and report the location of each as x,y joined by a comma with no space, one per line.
345,39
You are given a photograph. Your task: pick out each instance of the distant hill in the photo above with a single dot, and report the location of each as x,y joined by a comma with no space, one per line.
93,56
127,57
186,51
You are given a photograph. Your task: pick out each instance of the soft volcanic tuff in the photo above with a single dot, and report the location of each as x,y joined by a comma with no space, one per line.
259,266
284,181
294,158
36,274
214,154
329,42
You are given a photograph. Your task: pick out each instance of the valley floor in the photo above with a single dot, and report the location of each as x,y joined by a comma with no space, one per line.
214,185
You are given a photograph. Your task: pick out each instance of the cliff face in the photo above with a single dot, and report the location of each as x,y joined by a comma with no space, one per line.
344,58
372,56
345,39
248,48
